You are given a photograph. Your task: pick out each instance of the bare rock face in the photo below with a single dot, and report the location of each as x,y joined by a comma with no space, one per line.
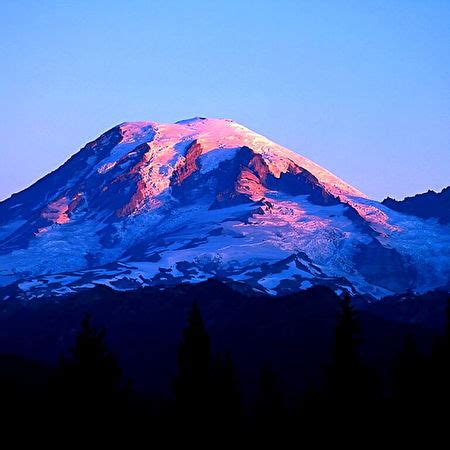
149,203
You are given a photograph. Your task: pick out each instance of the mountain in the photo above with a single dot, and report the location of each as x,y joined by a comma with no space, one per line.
430,204
162,204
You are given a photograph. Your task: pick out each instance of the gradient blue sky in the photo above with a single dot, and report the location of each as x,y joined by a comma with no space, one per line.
360,87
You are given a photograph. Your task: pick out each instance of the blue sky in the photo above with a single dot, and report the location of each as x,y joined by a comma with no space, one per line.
362,88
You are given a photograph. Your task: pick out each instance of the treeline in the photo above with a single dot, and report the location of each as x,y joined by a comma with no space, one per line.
89,393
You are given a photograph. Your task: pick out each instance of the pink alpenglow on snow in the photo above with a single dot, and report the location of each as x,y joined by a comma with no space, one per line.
58,211
149,203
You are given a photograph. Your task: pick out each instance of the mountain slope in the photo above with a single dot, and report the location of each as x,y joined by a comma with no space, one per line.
427,205
150,203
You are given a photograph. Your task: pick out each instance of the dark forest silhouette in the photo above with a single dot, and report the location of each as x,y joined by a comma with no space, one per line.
89,392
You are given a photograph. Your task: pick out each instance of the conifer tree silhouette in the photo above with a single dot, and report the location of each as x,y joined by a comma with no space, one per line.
206,387
352,389
193,385
228,402
89,386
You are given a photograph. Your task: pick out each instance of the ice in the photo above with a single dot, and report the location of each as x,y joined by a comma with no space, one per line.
116,220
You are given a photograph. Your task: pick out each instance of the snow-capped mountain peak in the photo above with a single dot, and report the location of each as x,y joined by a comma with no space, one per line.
150,203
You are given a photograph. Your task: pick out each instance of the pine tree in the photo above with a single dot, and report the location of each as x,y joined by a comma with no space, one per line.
206,387
193,385
351,388
346,363
89,386
227,407
226,386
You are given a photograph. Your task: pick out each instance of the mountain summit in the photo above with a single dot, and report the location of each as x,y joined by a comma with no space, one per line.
150,203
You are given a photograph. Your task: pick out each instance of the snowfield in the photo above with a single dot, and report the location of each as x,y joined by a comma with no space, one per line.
150,203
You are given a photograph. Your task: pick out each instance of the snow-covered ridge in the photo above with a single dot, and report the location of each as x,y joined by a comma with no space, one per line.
215,134
152,203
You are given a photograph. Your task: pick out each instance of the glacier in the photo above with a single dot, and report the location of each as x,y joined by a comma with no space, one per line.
159,204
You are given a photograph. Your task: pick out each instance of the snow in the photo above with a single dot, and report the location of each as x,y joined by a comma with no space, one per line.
10,228
244,242
27,285
56,211
211,160
220,139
